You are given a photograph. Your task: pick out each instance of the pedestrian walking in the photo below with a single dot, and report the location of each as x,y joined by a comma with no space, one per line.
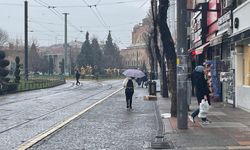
129,84
202,91
144,80
77,77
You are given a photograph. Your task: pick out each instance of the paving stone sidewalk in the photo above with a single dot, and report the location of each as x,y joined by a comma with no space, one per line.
230,128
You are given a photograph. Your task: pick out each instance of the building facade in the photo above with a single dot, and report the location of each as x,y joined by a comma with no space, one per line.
220,41
135,56
241,55
56,54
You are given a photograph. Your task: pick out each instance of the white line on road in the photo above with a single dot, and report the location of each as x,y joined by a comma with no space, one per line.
54,128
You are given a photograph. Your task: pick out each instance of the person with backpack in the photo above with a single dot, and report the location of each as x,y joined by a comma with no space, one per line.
129,84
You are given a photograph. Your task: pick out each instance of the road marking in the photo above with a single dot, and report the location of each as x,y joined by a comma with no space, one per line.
57,126
219,148
238,147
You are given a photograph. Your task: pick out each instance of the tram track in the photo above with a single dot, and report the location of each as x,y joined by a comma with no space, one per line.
109,86
53,92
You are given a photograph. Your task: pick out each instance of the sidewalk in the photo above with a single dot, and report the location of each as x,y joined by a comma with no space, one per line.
230,128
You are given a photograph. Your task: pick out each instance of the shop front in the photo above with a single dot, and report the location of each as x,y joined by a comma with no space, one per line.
213,63
241,55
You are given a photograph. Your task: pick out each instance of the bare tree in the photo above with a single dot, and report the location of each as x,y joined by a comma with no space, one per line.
3,37
148,41
169,53
159,53
155,31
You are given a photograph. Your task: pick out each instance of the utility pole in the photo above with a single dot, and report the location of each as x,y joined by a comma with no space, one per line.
182,106
66,71
26,72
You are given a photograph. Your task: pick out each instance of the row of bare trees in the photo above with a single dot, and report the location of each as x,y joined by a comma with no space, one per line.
165,55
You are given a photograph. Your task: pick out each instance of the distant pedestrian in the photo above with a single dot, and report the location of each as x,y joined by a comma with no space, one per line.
138,81
129,84
201,87
144,80
77,77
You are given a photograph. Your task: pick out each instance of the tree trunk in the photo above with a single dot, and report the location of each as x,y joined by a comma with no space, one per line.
164,81
159,57
155,35
150,53
169,52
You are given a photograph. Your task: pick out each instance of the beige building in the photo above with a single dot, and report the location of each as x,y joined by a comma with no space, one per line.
135,56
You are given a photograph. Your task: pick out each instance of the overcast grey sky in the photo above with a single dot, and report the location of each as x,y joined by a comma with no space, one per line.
46,25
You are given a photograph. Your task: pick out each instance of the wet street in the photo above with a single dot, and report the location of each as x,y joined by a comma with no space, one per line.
26,114
108,125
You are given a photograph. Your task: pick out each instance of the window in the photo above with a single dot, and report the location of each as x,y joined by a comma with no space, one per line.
246,66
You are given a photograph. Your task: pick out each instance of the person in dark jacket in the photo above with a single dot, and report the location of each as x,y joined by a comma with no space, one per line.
202,91
144,80
77,77
129,84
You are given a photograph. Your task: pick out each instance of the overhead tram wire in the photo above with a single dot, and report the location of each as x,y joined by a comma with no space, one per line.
17,4
70,23
102,4
144,3
51,8
65,6
100,15
97,16
101,20
57,13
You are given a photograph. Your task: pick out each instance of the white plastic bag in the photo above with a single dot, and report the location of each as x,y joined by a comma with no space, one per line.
204,107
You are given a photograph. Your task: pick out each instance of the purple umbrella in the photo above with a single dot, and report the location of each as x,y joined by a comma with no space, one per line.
133,73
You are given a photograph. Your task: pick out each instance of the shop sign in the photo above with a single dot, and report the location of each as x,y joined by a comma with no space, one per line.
197,36
241,17
213,28
197,44
224,22
210,37
196,22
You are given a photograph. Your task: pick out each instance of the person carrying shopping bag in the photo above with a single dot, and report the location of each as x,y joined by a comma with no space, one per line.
201,93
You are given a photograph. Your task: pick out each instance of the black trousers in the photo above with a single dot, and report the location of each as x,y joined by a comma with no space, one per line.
129,94
77,82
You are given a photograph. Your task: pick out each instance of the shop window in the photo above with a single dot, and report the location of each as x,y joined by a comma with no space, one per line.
246,66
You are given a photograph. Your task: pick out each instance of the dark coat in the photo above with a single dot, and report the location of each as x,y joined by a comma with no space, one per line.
201,85
77,75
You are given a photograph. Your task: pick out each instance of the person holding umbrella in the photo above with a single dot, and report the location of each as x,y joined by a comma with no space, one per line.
129,84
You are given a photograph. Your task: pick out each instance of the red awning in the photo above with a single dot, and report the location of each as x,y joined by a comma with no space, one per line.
200,49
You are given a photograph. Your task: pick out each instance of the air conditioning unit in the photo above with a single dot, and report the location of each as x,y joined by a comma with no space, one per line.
226,3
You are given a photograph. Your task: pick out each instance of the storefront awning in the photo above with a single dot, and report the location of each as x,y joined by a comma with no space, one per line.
216,40
199,50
